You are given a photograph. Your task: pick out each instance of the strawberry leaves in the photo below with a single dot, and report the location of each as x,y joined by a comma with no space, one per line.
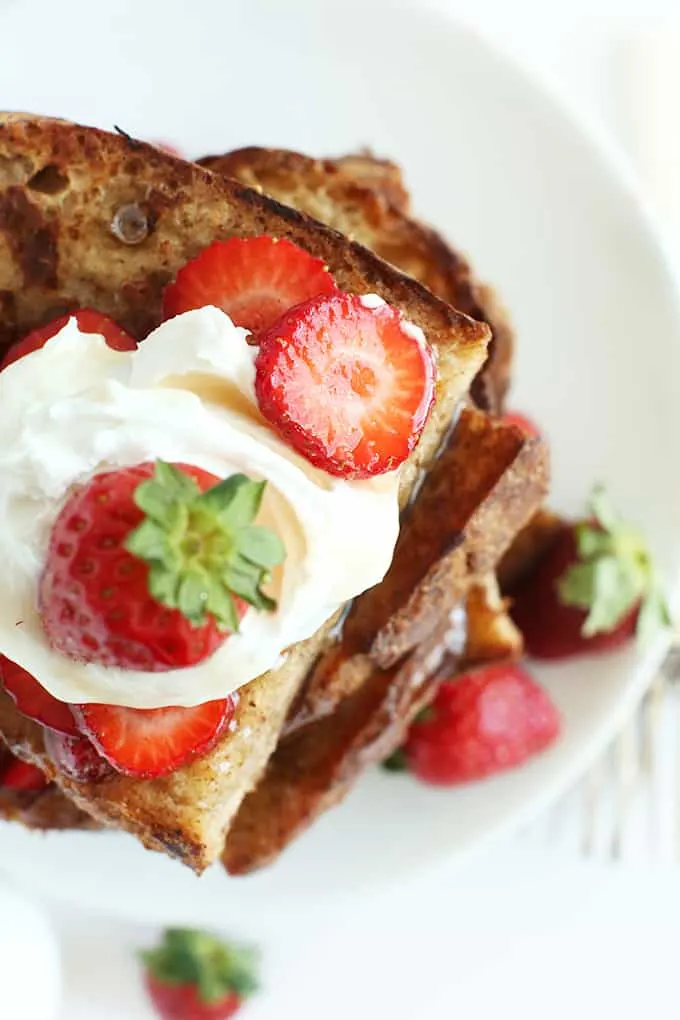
203,548
190,957
614,574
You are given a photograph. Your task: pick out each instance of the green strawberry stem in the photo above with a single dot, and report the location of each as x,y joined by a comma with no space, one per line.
396,762
215,968
614,575
203,548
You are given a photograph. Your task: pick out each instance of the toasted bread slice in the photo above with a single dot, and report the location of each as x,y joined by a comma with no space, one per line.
366,199
499,478
529,545
379,175
491,634
89,218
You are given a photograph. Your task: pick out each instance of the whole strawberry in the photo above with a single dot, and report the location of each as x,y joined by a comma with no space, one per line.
480,723
594,590
194,976
150,567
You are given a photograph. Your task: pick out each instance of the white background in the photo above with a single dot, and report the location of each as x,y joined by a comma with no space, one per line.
528,931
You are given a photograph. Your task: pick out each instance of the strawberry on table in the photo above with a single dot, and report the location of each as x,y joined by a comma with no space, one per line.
595,589
253,279
480,723
194,976
33,700
20,776
347,385
89,321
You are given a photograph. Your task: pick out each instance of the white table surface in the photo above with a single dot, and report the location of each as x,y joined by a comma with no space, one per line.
526,931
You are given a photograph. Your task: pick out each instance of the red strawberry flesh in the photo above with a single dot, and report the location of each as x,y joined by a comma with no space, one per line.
146,744
33,700
77,758
348,386
20,776
254,280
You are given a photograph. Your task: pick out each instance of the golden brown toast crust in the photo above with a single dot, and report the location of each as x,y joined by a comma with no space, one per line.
62,188
366,199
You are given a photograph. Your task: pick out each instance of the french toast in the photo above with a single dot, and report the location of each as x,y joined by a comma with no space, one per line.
498,477
89,218
366,199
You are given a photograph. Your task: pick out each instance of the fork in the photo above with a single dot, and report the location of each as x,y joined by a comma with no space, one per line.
627,807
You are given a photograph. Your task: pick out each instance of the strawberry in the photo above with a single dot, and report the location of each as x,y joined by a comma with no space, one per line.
89,321
150,567
33,700
348,386
593,590
481,723
193,976
528,427
253,279
21,776
77,758
154,742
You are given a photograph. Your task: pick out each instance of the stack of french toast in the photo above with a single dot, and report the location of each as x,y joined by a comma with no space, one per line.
89,218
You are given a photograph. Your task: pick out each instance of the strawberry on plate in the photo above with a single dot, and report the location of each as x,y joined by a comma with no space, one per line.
346,384
89,321
593,590
153,742
194,976
151,567
480,723
20,776
253,279
33,700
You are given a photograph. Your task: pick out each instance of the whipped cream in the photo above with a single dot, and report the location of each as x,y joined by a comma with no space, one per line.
76,408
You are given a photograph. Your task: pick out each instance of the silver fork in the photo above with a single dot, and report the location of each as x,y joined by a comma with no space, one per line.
628,805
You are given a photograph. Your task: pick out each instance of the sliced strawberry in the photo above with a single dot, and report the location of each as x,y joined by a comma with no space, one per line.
89,321
156,742
347,385
32,700
77,758
19,776
254,280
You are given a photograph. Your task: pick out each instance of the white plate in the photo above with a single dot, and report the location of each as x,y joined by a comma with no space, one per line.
546,214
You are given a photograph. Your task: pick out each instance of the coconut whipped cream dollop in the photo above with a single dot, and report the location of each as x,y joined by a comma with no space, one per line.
76,408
